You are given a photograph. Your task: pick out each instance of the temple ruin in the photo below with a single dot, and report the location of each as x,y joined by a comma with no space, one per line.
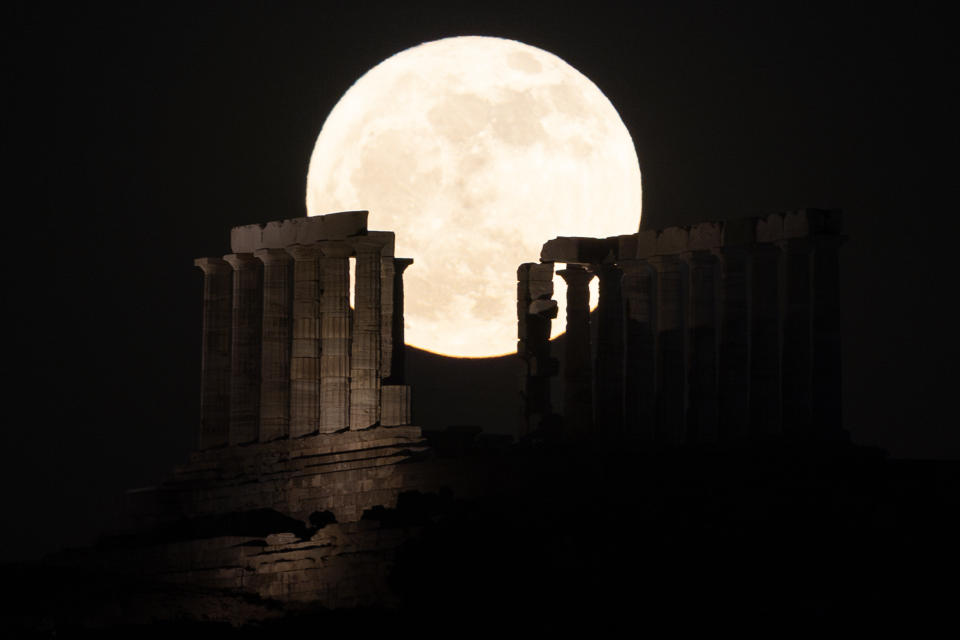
713,332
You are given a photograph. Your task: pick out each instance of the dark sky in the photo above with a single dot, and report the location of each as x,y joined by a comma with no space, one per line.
135,137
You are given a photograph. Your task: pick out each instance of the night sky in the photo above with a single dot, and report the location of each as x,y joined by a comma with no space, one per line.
135,137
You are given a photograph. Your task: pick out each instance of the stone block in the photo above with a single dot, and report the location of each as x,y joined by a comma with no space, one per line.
646,243
543,308
741,231
574,250
307,230
705,236
770,229
672,240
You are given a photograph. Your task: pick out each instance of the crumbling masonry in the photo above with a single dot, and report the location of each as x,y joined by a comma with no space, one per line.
718,331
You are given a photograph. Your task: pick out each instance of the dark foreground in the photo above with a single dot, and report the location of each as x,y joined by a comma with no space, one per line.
766,536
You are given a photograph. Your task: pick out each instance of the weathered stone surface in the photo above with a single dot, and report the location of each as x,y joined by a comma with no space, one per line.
215,361
639,399
671,369
365,348
281,234
535,310
276,343
573,250
335,333
305,357
395,403
246,334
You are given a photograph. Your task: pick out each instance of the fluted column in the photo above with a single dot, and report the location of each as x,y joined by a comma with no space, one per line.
734,381
395,404
365,350
669,347
577,374
276,343
826,371
215,359
305,353
702,347
245,350
637,289
335,338
765,340
796,357
610,356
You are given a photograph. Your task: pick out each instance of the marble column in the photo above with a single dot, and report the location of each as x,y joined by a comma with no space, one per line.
638,291
702,347
796,356
765,340
305,352
610,356
245,347
276,343
578,369
671,369
335,333
826,367
734,380
215,359
365,346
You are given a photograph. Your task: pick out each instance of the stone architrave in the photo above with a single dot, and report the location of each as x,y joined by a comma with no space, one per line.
671,369
245,350
610,355
365,346
215,361
637,289
335,330
765,340
276,343
578,369
305,354
702,347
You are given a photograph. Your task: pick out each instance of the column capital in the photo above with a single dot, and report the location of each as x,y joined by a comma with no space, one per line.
241,261
302,252
665,262
698,258
370,245
401,263
273,256
575,275
212,265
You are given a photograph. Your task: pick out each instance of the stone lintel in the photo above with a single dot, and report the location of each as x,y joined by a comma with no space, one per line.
770,229
626,247
384,240
672,240
337,249
809,222
575,250
279,234
740,231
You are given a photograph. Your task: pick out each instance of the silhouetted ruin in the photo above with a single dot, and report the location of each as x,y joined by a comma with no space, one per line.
714,332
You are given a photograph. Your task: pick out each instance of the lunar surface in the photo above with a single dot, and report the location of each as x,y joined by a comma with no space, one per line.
475,151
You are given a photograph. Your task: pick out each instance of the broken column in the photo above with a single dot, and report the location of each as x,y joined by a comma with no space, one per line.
535,309
276,343
305,353
609,376
215,361
577,374
825,286
245,348
365,347
335,338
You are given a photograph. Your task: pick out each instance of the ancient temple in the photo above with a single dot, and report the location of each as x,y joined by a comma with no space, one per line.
303,406
716,331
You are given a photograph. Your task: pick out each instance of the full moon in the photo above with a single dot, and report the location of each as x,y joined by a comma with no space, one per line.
475,151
